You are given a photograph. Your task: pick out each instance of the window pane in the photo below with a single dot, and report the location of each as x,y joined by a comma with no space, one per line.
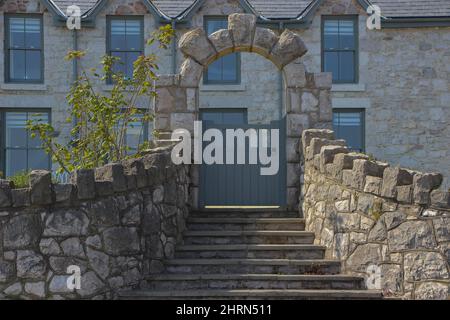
346,34
118,30
33,33
133,35
346,67
331,34
331,64
348,126
119,66
37,118
16,161
33,65
16,32
215,24
229,67
130,59
17,64
37,159
16,132
215,70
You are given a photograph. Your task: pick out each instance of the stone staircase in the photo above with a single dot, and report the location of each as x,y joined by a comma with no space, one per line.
250,255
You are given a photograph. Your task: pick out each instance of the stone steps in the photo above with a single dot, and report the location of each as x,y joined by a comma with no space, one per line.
236,224
240,213
248,237
237,254
257,266
252,281
257,251
242,294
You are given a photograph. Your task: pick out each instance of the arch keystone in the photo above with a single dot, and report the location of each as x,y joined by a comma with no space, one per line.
195,44
288,48
242,27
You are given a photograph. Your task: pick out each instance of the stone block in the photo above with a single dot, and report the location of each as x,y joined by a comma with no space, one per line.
114,173
295,75
373,185
316,145
404,194
423,184
7,271
411,235
136,168
5,193
195,44
20,197
325,107
264,41
190,73
85,182
22,231
182,121
440,199
288,48
323,80
64,192
104,188
66,222
222,41
327,154
121,241
41,187
30,265
308,135
421,266
393,177
242,27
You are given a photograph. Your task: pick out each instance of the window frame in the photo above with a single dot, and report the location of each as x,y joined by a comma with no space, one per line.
7,73
355,19
109,18
362,112
206,81
3,112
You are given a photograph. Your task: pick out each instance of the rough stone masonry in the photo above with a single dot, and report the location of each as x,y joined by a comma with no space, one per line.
117,223
368,213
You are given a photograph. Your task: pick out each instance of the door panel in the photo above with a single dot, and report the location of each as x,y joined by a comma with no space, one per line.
240,184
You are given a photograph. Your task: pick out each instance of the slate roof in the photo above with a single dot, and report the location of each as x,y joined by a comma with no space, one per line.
290,9
85,5
413,8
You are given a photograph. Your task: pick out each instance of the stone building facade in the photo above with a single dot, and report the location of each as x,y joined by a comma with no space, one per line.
402,79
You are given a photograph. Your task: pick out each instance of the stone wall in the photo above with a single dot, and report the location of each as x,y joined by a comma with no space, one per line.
369,213
116,223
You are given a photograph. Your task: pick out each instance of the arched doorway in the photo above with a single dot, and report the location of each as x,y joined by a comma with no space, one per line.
306,102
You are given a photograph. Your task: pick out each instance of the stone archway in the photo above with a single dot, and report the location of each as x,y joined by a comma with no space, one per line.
307,96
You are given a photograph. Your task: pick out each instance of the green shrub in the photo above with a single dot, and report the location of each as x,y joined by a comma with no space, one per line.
21,179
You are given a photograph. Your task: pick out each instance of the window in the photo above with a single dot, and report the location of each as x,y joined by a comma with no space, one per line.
24,42
225,70
125,41
348,124
137,133
339,48
19,152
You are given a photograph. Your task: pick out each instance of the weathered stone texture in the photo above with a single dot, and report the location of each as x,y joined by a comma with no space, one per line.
110,236
370,219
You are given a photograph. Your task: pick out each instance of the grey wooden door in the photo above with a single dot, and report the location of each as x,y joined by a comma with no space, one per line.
240,184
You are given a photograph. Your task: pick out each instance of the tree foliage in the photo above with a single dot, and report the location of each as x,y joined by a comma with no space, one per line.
102,119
